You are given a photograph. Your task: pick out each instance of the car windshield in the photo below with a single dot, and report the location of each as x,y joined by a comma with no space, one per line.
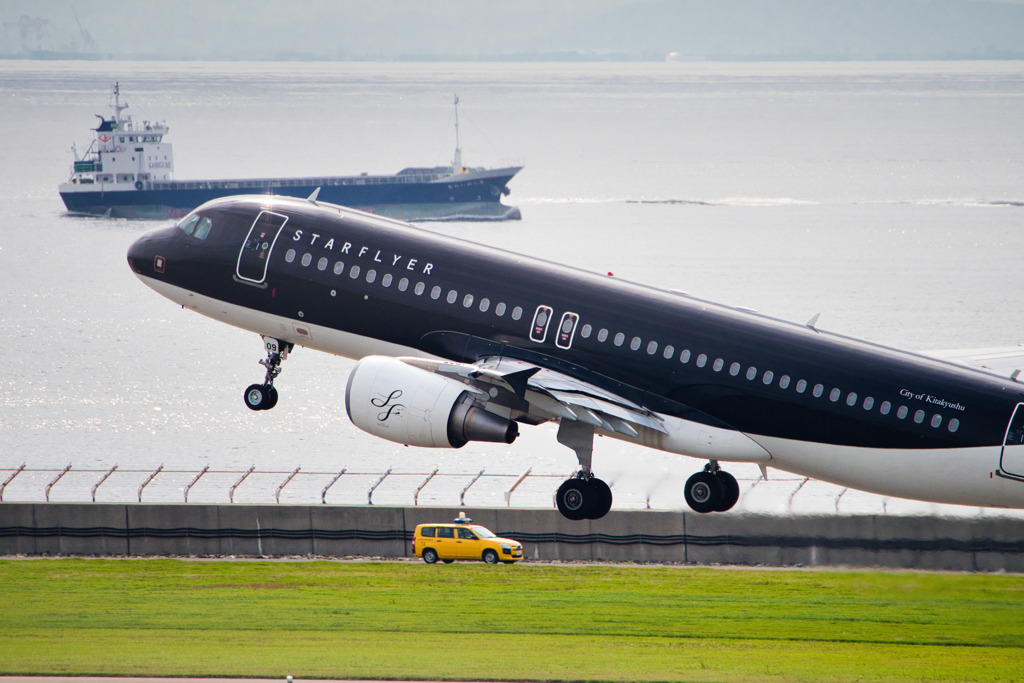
484,533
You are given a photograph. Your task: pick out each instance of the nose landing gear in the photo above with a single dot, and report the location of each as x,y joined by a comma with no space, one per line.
713,490
264,396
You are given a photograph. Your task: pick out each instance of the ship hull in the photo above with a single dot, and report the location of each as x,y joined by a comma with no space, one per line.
475,195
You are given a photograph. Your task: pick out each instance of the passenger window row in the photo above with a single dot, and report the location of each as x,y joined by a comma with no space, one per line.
835,395
387,280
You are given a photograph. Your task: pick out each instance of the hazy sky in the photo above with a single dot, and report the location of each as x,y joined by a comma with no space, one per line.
516,29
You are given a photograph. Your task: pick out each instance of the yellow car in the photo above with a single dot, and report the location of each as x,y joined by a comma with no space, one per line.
463,540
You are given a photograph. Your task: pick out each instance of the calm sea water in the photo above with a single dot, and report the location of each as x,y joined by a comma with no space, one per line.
887,197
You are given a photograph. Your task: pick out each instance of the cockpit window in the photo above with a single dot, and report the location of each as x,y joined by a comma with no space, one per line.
195,225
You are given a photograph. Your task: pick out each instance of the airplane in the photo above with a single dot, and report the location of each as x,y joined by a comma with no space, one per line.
457,342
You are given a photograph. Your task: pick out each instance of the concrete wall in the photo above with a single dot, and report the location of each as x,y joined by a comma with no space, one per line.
629,536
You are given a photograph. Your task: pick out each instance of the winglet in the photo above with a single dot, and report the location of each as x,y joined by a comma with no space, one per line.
312,198
813,322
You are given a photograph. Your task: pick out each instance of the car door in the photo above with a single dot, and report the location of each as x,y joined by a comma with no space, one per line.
445,544
469,544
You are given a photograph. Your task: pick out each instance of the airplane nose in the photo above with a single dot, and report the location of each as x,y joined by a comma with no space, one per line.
144,258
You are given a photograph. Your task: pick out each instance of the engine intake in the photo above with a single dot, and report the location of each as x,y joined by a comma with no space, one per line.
407,405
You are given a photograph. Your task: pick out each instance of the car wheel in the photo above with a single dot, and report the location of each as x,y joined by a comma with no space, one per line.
429,555
490,557
447,561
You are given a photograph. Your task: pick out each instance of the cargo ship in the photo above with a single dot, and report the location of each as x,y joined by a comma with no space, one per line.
127,172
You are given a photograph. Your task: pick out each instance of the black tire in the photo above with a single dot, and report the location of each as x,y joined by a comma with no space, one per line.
256,397
447,561
704,492
490,556
602,498
429,555
271,398
575,499
730,491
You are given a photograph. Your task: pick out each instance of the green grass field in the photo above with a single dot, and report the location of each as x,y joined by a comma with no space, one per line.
526,622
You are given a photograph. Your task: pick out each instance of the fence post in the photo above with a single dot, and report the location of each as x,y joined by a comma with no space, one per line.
189,487
277,494
462,496
56,479
151,478
369,494
100,482
9,480
323,494
416,496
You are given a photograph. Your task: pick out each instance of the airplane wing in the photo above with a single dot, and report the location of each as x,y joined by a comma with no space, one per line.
1004,361
550,394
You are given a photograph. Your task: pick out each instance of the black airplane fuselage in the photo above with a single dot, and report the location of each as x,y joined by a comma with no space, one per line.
820,404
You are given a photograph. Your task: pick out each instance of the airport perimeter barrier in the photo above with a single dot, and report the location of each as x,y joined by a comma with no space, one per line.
925,543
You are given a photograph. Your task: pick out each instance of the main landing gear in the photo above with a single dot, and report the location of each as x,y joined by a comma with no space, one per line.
713,490
264,396
581,496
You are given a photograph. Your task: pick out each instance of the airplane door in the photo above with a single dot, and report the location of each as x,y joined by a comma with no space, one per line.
259,243
1011,459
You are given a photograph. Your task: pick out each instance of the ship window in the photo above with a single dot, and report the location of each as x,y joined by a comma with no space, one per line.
499,310
602,336
702,360
322,263
669,352
452,296
403,284
289,256
371,275
387,279
954,424
586,331
517,313
435,293
467,301
307,258
419,289
485,303
354,272
619,339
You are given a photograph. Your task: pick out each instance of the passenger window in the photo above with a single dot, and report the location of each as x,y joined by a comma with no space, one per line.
499,310
307,259
386,280
652,348
684,357
718,365
751,373
734,369
834,395
321,265
851,399
435,293
902,412
885,408
602,336
517,312
818,390
634,344
452,296
403,284
936,420
768,377
289,256
467,535
702,360
586,331
419,289
445,532
485,303
467,301
784,382
801,386
869,403
954,424
669,352
619,339
919,416
339,268
371,275
354,272
427,532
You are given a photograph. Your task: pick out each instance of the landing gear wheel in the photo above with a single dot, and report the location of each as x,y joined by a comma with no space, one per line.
704,492
271,397
603,498
430,556
575,499
490,556
730,491
258,397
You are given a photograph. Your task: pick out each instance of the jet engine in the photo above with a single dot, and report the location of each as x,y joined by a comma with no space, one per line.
401,403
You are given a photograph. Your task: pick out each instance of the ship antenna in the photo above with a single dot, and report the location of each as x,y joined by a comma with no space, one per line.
457,163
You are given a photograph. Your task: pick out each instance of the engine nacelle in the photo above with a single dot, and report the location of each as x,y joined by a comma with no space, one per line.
400,403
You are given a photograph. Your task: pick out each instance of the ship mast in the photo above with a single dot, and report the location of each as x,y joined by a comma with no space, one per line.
457,163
